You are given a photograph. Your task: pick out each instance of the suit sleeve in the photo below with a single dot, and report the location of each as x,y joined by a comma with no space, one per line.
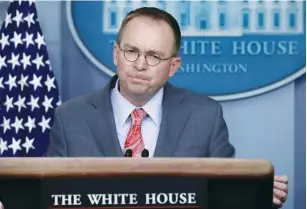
57,142
219,142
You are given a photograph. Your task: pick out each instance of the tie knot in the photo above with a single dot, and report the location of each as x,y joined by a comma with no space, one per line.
137,116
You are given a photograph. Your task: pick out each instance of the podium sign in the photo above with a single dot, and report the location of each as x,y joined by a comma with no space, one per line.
91,183
160,191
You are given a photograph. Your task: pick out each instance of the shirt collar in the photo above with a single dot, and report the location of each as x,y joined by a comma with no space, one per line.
123,107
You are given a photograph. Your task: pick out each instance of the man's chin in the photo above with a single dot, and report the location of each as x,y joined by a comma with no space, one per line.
137,88
138,93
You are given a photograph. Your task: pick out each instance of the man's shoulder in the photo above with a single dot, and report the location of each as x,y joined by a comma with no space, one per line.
194,98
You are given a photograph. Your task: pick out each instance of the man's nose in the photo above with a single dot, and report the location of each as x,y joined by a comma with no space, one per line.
140,63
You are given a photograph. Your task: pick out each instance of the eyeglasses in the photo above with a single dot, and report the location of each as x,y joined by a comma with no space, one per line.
132,55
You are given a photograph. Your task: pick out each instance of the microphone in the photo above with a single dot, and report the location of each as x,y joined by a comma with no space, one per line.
128,153
145,153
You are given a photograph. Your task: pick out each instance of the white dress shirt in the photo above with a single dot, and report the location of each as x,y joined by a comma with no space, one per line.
150,125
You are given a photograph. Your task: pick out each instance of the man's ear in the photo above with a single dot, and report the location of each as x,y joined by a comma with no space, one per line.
174,66
115,54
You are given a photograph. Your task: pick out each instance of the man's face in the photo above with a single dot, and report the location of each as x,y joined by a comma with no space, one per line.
153,38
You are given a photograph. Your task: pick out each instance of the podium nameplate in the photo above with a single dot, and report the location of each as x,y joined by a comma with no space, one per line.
150,183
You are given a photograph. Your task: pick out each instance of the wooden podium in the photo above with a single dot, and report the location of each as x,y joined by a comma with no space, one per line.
126,183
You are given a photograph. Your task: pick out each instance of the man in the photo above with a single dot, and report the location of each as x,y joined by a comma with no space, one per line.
140,110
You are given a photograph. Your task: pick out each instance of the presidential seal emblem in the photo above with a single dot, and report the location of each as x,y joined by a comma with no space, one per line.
230,49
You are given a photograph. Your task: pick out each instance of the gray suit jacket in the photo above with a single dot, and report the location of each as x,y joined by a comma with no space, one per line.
192,126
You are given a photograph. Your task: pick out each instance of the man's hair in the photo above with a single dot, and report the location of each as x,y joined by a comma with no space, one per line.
156,14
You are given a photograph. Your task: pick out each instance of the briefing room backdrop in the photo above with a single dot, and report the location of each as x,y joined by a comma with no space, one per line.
269,124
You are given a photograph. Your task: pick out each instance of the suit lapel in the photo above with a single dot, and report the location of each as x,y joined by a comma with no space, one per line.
174,118
102,123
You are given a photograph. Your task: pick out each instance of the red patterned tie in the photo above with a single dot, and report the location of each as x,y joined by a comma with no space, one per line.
134,140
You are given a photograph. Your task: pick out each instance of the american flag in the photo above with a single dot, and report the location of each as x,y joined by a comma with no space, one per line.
28,89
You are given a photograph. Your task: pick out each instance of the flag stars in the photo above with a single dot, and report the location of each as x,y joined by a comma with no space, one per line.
28,144
50,83
8,19
14,60
23,81
36,82
25,60
11,82
40,40
59,102
48,63
47,103
28,86
2,62
8,103
16,39
44,123
3,146
30,124
29,19
6,124
17,124
18,18
28,39
1,82
15,145
33,103
20,103
4,41
38,61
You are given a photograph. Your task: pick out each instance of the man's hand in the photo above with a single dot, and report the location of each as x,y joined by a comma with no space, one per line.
280,191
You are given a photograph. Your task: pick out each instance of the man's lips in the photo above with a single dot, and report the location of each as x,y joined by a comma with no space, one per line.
138,78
